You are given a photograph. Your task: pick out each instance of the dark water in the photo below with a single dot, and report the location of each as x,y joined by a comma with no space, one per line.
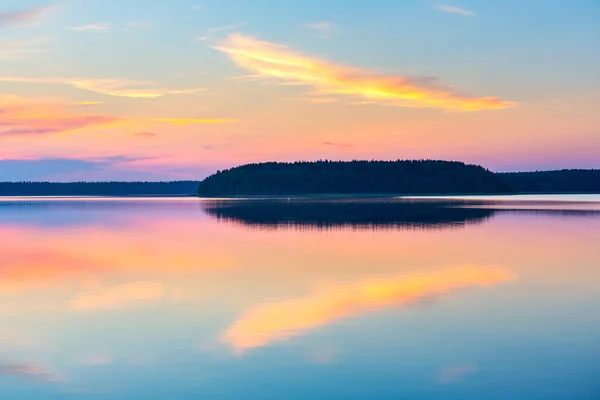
473,298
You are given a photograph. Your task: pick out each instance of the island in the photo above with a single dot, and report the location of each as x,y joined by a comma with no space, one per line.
404,177
551,182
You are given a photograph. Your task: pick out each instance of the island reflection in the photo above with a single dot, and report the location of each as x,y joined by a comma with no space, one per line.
369,213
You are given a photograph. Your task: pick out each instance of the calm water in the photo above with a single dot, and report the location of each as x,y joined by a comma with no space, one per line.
487,298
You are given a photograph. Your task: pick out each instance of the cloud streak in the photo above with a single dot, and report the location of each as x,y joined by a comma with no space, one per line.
32,118
272,322
109,87
14,50
322,29
25,17
97,27
454,10
21,117
34,371
278,62
118,296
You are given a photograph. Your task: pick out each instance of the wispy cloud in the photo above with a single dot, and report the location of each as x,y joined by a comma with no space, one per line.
23,117
279,62
31,370
197,8
97,27
224,28
212,32
454,10
26,118
17,50
322,29
193,121
109,87
144,134
276,321
336,144
118,296
25,17
140,24
88,103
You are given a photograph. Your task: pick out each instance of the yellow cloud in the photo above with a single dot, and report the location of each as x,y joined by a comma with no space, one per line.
270,60
276,321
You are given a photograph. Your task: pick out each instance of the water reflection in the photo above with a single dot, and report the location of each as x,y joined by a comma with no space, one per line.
379,213
358,213
120,299
284,319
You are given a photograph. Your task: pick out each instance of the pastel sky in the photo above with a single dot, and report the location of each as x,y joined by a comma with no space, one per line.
163,90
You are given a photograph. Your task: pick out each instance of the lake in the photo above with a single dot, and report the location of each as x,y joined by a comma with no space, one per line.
418,298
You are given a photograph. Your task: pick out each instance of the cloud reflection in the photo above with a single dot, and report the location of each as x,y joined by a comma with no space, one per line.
118,296
30,370
276,321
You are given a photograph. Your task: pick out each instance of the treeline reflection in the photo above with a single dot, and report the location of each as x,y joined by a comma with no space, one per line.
380,213
356,213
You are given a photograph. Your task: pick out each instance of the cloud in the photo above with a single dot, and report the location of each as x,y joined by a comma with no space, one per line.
285,319
109,87
335,144
224,28
140,24
118,296
23,117
210,33
193,121
14,50
25,17
89,103
322,29
20,117
197,8
144,134
278,62
31,370
454,10
97,27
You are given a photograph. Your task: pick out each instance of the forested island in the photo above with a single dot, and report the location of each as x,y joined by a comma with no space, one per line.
563,181
354,177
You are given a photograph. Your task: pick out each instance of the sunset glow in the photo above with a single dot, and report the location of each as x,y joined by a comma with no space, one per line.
168,92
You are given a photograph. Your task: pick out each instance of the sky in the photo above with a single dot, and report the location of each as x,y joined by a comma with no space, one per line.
170,90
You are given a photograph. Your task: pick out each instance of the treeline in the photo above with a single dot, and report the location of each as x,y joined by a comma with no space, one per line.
563,181
354,177
176,188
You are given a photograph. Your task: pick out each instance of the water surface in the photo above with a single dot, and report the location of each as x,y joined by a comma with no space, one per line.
436,298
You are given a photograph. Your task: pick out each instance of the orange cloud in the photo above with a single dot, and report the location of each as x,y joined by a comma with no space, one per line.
270,60
118,296
281,320
20,117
